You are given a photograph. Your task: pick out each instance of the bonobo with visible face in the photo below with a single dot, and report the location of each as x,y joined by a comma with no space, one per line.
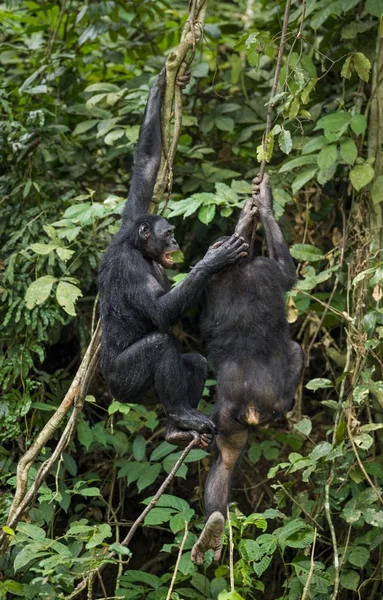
258,366
138,307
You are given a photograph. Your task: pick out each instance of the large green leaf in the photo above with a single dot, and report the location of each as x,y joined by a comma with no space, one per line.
306,252
361,175
374,7
39,291
67,295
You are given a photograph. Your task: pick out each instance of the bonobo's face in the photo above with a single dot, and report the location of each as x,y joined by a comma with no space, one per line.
160,243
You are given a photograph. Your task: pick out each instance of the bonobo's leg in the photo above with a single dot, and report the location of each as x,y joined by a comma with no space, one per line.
196,366
156,360
230,441
277,248
294,374
148,154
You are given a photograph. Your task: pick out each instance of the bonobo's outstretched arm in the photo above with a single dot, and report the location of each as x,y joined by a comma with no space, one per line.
276,244
164,309
148,154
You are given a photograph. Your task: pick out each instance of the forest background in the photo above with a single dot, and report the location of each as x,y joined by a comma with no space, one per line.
307,520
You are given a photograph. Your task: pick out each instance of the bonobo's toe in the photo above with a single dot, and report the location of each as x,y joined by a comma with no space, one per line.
205,440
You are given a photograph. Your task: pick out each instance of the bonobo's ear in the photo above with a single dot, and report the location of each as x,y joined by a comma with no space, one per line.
144,231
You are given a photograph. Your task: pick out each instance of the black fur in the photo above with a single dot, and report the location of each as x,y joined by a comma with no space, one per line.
137,305
258,365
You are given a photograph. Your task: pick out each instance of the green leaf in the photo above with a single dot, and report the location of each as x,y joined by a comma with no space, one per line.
25,556
316,143
224,123
294,108
230,596
91,103
187,206
141,577
139,448
241,187
206,213
306,252
303,178
84,126
265,150
377,190
348,151
39,291
327,157
120,549
298,162
148,477
319,383
43,249
226,193
334,125
32,531
305,94
349,580
169,501
364,441
358,556
321,450
64,253
84,434
304,426
13,587
8,530
91,491
361,175
177,522
351,30
374,7
161,451
358,123
347,68
285,141
102,87
66,295
362,66
158,516
114,135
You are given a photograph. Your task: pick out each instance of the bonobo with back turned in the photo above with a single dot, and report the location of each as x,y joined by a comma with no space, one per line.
138,307
258,366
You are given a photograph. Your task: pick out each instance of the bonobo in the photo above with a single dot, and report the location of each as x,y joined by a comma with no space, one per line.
138,306
258,365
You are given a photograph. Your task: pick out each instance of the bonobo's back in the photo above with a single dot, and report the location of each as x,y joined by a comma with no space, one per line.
244,311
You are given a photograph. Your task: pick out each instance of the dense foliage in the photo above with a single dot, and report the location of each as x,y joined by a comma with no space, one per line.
308,518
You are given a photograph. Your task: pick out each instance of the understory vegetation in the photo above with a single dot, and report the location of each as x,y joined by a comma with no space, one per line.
306,513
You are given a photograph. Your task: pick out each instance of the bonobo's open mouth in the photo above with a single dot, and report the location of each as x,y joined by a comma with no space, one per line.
168,259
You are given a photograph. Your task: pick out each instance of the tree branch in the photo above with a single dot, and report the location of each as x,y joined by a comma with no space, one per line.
176,65
75,396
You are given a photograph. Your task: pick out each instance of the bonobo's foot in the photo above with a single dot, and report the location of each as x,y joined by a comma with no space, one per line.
210,538
182,438
192,420
183,80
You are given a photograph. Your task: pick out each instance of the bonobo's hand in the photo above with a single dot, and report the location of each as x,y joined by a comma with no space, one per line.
225,253
262,196
183,80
